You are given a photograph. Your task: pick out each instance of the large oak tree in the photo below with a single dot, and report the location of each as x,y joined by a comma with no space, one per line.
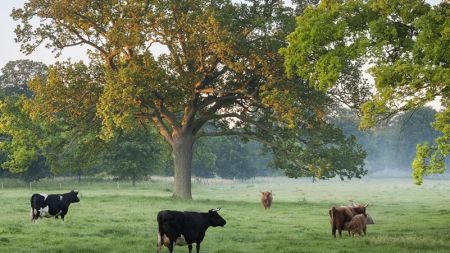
222,68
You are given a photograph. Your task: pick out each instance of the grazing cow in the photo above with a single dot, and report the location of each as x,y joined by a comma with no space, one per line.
266,199
340,215
181,228
49,205
357,225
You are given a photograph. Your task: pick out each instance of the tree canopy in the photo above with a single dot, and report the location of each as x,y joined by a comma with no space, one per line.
16,74
222,68
404,43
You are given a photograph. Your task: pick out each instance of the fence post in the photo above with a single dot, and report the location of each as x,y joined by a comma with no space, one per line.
30,185
60,186
2,186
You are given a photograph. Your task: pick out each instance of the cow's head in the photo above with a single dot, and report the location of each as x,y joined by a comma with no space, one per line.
215,219
73,196
266,195
359,209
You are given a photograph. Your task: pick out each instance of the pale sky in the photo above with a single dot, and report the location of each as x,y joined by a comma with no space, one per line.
10,51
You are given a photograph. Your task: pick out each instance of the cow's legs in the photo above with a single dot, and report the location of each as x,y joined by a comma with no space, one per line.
190,248
197,247
171,246
63,213
333,231
159,243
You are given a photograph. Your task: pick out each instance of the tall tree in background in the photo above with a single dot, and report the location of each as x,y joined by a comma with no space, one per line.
16,74
222,67
20,138
407,46
134,154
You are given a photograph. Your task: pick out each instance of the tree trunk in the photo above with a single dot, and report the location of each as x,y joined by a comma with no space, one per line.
182,157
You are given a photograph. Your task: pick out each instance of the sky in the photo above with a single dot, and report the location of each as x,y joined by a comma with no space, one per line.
10,50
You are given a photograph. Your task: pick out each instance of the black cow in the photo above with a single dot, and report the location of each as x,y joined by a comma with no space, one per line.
181,228
49,205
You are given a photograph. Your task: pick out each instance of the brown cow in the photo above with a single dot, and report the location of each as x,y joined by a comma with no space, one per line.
266,199
357,225
342,214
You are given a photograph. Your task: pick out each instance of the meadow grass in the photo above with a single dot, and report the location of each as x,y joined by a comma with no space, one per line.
116,217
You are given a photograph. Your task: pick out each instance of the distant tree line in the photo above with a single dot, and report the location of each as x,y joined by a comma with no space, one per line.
393,144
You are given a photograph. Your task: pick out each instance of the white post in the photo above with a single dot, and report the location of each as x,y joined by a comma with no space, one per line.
30,185
60,186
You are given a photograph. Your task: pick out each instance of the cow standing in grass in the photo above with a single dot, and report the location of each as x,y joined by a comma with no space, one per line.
185,228
343,214
266,199
49,205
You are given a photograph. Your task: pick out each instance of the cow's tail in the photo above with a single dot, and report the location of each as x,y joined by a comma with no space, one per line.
33,210
331,212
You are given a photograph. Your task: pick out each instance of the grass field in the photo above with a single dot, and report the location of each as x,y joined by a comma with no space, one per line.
115,217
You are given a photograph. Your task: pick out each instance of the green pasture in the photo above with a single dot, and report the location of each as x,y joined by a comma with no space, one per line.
116,217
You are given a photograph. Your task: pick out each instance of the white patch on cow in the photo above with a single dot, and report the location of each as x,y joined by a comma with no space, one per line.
60,197
44,195
31,213
181,241
44,212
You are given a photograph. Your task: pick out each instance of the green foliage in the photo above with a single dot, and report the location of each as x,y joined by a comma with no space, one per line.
229,157
16,74
20,136
324,152
431,159
65,106
406,44
21,139
132,155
